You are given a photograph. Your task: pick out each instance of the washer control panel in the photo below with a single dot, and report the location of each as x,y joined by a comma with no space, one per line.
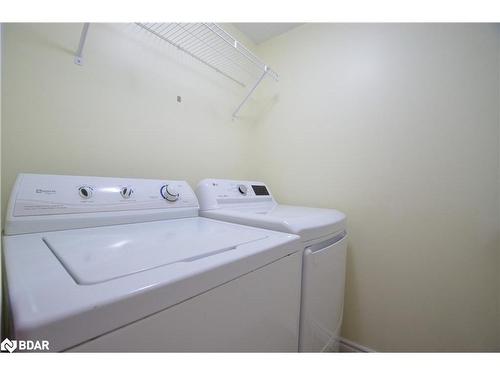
53,194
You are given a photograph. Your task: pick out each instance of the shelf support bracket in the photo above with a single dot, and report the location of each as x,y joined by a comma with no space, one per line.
235,113
83,36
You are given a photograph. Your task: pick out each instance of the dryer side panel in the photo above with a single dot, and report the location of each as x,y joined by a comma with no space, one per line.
323,281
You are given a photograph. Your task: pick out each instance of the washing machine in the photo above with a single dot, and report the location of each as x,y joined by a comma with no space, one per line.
324,242
99,264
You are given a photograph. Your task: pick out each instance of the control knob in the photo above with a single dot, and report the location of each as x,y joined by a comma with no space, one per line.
126,192
169,193
85,192
242,189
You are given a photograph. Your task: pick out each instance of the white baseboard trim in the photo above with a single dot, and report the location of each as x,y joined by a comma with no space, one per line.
348,346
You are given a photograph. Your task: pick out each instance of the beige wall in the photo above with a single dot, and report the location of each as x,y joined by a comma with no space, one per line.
116,115
398,126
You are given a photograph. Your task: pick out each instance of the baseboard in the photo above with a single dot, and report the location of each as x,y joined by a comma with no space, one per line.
348,346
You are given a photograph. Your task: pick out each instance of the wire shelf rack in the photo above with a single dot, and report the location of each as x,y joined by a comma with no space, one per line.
211,45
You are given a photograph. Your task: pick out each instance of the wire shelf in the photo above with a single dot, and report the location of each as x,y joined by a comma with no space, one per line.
211,45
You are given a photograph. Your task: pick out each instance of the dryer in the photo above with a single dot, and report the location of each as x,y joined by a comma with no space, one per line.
118,264
324,241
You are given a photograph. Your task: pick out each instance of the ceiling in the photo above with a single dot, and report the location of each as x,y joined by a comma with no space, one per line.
260,32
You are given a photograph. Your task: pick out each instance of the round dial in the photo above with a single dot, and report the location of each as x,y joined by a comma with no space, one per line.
85,192
169,193
242,189
126,192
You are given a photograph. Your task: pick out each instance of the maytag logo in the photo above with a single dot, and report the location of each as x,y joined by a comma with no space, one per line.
44,191
24,345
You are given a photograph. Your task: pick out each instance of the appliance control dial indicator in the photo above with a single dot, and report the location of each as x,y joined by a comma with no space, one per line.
126,192
242,189
85,192
169,192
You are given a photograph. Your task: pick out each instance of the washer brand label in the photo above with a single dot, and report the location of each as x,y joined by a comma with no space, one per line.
44,191
24,345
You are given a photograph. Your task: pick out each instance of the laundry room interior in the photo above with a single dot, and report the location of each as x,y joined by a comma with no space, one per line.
392,129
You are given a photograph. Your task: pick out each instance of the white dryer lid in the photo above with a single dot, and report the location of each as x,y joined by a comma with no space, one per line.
307,222
97,255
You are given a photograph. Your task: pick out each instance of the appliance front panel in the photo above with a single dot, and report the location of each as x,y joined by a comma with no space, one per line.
216,193
53,194
41,203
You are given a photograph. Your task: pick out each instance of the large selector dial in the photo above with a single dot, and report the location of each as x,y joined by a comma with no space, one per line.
242,189
85,191
126,192
169,192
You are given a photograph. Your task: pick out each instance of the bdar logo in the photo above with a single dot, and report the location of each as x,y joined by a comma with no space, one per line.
24,345
8,345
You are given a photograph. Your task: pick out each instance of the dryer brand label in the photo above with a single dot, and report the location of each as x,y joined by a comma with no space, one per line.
24,345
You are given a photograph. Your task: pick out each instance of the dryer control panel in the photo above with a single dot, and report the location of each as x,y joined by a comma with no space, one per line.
216,193
50,198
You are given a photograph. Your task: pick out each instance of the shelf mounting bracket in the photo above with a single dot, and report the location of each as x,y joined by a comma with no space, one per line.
259,80
83,36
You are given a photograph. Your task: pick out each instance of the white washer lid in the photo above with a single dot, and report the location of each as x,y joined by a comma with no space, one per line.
47,303
101,254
